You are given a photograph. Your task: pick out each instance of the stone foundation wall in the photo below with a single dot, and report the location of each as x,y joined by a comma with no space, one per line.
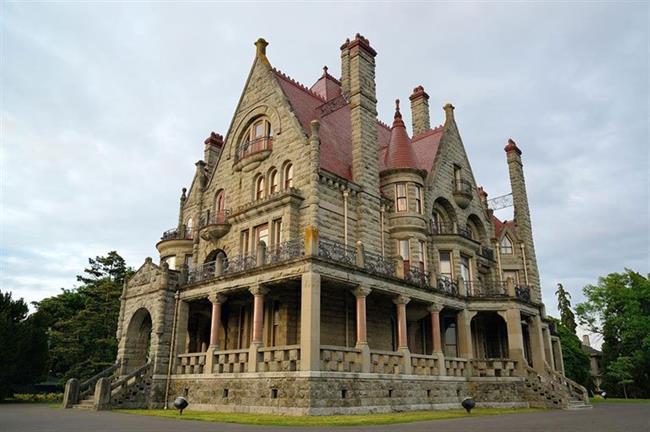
327,394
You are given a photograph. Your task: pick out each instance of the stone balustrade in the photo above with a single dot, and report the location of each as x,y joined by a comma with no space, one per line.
340,359
231,361
386,362
278,359
494,367
425,364
190,363
455,366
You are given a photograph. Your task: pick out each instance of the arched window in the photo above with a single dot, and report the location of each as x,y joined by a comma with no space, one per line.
470,232
288,176
505,246
273,181
220,206
259,187
257,138
436,223
188,228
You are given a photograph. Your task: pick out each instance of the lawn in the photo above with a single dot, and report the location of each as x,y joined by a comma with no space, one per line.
617,400
337,420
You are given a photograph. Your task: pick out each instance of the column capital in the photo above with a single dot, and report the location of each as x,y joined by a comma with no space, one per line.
361,291
217,298
258,290
401,300
435,307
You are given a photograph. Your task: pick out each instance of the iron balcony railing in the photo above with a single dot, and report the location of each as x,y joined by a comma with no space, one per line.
522,292
214,218
336,251
446,285
378,265
285,251
257,145
485,289
184,233
487,253
418,276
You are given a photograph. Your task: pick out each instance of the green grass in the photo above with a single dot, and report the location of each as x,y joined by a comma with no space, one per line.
336,420
599,400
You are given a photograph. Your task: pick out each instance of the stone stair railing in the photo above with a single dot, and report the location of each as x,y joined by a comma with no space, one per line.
129,388
576,390
76,392
543,391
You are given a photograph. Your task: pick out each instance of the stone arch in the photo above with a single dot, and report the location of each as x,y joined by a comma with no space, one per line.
446,212
212,256
475,223
138,339
489,335
242,126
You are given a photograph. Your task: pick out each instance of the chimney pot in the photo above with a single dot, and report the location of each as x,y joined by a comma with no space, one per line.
261,45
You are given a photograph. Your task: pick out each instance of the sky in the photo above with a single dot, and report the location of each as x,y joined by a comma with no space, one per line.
105,106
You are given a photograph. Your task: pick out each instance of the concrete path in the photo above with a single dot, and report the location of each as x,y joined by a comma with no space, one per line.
603,418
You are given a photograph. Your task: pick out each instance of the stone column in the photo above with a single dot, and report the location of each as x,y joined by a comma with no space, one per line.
464,329
258,292
557,354
537,343
436,342
548,351
360,293
402,338
217,301
310,322
515,338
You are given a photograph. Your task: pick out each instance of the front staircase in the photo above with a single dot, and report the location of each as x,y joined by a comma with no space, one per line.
108,390
554,390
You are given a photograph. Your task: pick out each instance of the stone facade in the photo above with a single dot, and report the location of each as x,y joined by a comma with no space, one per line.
324,262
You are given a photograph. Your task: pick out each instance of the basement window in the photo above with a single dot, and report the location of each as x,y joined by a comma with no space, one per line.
274,393
428,393
390,393
344,393
225,393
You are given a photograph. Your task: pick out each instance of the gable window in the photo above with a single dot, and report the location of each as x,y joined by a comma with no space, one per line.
288,176
258,138
400,197
505,246
273,182
259,188
418,199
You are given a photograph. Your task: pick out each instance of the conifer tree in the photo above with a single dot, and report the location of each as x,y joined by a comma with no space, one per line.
567,317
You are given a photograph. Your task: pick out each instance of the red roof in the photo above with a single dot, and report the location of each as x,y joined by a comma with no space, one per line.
500,225
333,112
400,152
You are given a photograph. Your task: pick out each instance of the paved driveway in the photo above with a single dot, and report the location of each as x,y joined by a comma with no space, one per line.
603,418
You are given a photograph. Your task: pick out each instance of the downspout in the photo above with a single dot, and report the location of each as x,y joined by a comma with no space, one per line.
345,217
172,346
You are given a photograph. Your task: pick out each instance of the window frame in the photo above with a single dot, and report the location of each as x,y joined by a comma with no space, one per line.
401,201
418,199
260,187
257,230
503,249
274,184
449,275
288,176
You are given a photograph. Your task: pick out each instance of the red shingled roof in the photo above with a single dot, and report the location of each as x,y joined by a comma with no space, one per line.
333,112
500,225
400,152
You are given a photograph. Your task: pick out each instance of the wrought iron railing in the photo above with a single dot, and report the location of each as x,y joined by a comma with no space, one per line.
447,285
214,218
184,233
465,232
201,273
483,289
285,251
487,253
377,264
257,145
462,186
336,251
522,292
239,263
441,229
418,276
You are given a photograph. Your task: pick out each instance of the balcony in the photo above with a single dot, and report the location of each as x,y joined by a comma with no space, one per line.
522,292
175,238
463,192
479,289
215,225
249,154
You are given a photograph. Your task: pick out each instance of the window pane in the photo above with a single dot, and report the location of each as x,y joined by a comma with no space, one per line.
445,264
262,234
288,176
404,249
273,182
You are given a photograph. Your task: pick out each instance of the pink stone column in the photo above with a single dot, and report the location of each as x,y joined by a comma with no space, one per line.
361,293
402,339
435,327
217,301
258,312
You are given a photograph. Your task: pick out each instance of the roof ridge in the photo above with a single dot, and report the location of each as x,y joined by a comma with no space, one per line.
427,133
384,124
298,84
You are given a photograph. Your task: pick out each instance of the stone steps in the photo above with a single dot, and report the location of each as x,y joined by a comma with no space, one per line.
85,404
577,404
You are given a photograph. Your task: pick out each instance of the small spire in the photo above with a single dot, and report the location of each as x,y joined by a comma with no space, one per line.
398,114
325,70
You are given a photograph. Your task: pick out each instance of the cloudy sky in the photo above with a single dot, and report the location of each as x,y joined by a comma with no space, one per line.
105,107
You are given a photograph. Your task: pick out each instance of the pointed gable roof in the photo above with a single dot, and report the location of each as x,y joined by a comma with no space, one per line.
336,127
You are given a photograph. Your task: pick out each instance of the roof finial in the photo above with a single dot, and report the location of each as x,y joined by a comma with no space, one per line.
325,70
397,113
261,45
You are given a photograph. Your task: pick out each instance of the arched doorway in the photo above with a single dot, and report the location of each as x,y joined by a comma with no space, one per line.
138,340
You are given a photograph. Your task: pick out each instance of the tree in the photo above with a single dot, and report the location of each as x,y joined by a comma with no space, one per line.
564,306
576,361
618,308
23,351
83,320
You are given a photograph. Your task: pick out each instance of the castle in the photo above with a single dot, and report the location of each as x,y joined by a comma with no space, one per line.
325,262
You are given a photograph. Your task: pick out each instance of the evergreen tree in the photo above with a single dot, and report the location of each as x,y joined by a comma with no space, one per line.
564,307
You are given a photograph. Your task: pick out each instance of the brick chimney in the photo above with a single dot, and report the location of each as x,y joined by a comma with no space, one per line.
345,69
363,113
420,111
213,147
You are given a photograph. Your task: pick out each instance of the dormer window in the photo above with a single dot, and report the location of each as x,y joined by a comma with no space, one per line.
505,246
401,203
